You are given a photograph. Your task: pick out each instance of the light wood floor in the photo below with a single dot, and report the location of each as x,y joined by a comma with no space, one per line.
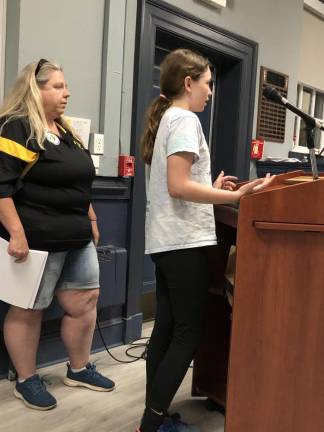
82,410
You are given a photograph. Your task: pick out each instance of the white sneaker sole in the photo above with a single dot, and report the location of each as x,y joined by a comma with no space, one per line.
20,396
72,383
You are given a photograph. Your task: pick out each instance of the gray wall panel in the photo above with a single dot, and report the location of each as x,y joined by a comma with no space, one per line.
69,32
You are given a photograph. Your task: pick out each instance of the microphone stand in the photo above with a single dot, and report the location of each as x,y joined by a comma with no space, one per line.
272,94
311,147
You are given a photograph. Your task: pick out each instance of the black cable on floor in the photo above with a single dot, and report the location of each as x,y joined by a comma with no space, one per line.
133,346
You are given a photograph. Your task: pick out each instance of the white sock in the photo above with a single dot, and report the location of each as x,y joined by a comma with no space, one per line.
78,370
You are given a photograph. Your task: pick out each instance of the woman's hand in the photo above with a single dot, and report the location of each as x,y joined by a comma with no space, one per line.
18,247
225,182
257,185
95,232
94,227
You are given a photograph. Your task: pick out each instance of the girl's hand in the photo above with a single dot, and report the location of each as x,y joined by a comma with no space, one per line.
225,182
18,247
257,185
95,232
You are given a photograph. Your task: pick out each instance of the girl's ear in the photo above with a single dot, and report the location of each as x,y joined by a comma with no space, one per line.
187,83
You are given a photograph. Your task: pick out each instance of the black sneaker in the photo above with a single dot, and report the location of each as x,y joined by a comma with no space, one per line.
34,394
88,378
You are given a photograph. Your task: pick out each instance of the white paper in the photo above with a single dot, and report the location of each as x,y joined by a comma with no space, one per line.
20,281
278,159
81,127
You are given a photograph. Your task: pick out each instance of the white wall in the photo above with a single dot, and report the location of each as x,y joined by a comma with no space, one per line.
311,64
276,26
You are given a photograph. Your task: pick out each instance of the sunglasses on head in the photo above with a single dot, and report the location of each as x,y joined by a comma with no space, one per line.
39,65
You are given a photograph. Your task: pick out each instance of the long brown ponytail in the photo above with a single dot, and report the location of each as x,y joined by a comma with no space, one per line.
175,67
152,121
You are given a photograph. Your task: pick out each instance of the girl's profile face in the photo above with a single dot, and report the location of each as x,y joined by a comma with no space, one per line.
199,91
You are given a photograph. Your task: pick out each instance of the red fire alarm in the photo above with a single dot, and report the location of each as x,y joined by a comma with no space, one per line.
126,166
257,147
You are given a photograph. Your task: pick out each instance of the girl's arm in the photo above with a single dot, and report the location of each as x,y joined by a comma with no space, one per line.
181,186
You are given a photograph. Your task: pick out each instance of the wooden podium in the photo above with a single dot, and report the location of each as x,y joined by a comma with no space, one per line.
264,359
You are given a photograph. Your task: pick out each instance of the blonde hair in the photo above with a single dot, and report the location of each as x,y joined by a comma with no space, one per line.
175,67
25,100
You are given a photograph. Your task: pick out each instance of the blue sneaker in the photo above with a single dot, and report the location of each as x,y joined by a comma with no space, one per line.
88,378
34,394
174,424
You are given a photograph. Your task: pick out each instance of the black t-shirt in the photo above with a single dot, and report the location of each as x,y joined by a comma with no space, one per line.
53,199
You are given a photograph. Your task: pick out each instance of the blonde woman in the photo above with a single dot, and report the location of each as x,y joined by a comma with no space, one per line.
49,209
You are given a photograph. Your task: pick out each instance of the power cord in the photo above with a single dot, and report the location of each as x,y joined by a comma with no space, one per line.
132,347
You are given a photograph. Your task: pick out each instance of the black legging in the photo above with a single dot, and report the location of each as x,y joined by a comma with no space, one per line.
181,292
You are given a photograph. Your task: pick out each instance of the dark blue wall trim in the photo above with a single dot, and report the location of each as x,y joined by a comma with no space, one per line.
4,360
264,167
51,349
111,188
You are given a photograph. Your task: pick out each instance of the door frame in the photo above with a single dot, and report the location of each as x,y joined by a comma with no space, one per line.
154,16
3,8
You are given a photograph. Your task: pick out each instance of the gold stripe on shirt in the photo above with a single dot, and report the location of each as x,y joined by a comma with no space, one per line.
75,140
60,127
17,150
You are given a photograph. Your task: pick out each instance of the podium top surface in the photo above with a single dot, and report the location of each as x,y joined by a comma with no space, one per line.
293,179
300,179
292,198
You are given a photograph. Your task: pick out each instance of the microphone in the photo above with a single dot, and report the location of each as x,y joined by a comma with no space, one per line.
272,94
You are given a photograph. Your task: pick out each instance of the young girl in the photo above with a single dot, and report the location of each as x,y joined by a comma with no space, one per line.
179,226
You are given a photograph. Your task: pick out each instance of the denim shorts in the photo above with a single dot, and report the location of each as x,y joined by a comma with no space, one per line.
76,269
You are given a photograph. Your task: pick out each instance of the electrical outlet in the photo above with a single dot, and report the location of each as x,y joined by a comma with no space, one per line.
98,145
96,161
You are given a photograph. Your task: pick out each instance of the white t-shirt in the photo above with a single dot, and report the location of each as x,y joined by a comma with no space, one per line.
172,223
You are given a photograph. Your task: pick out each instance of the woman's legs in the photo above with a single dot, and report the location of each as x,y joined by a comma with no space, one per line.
78,323
22,327
22,330
185,276
81,270
21,333
77,330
